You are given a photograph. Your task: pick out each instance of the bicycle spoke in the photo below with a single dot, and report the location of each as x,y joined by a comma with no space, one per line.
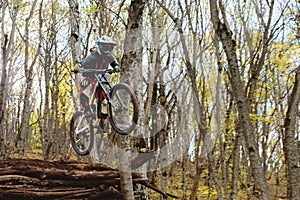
124,109
81,134
81,130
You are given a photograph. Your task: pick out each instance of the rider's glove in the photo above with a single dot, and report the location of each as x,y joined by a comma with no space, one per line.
117,68
76,68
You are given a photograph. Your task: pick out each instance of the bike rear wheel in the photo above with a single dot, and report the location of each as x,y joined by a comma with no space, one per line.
123,110
81,133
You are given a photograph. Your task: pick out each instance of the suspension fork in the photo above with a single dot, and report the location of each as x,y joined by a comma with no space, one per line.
101,82
102,79
105,80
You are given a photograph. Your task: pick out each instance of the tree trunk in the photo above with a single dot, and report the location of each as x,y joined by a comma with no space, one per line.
235,169
74,37
6,45
199,109
2,89
3,54
28,68
247,129
214,175
74,41
131,64
125,169
290,144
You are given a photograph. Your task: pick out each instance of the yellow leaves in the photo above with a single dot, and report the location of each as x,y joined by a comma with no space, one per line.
60,93
91,10
281,55
280,61
255,117
115,78
267,63
206,190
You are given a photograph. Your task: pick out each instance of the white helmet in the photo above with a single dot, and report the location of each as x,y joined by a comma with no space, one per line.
107,40
107,44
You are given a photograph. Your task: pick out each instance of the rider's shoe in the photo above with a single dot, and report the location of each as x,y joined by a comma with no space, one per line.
101,128
102,121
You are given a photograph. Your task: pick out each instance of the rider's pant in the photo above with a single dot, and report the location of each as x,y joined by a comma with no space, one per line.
87,86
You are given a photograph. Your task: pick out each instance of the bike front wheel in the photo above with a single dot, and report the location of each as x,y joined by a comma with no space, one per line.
81,133
123,110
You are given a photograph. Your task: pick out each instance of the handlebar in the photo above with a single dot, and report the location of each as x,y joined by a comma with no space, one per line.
96,71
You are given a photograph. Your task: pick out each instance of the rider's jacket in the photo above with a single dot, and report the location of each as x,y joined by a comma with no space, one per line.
97,60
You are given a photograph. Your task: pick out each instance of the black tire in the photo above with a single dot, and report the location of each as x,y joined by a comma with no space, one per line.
123,119
81,133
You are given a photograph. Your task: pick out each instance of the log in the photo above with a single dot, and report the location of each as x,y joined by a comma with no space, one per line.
39,179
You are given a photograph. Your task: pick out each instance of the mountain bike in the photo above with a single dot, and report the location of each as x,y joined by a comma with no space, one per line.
122,111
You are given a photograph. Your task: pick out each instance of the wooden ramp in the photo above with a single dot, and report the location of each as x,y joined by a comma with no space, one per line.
39,179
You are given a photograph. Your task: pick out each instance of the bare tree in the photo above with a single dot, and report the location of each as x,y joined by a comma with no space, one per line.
291,149
75,37
7,43
224,34
131,62
28,68
190,60
3,54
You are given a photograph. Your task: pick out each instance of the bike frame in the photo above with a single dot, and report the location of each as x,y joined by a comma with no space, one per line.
101,77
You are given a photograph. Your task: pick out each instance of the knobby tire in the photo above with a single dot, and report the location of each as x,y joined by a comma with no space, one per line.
76,147
113,121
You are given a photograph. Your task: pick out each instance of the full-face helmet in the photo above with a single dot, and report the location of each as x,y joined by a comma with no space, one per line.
106,44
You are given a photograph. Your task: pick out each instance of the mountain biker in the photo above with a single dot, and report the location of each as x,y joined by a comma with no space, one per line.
100,57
